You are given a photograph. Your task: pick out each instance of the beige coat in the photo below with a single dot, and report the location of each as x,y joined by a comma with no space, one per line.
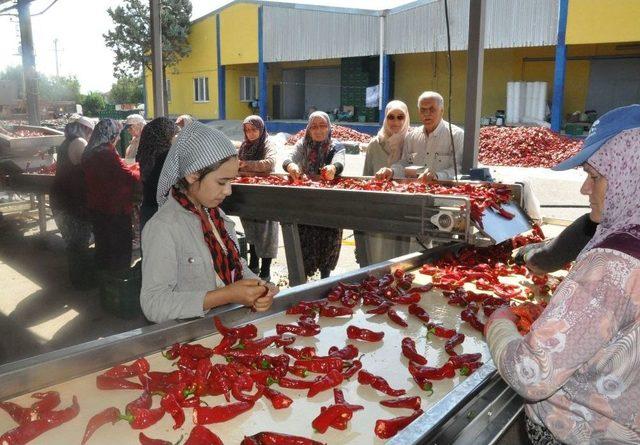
177,268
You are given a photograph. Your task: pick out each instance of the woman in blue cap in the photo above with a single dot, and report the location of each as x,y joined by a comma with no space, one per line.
579,366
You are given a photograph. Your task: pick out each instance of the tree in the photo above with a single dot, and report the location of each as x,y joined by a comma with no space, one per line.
14,74
50,88
130,39
126,90
93,103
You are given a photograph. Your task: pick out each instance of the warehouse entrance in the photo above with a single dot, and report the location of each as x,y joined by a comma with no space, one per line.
613,83
308,88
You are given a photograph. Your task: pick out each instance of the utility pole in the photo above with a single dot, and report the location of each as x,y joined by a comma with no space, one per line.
55,48
28,62
156,59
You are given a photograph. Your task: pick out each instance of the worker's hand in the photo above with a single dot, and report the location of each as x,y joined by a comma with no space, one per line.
247,291
263,303
384,174
502,313
242,165
294,171
328,172
428,176
522,257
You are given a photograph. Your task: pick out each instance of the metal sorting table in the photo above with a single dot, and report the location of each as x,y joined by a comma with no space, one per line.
461,410
437,218
34,184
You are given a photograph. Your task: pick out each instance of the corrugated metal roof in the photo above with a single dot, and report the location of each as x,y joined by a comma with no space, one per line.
300,34
421,27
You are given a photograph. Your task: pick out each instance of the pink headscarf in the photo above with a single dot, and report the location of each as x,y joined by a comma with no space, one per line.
618,161
394,141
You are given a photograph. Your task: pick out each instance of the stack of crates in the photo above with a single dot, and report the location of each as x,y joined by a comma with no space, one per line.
354,81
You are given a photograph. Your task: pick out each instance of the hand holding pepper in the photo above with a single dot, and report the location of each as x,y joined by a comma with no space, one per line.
328,172
503,312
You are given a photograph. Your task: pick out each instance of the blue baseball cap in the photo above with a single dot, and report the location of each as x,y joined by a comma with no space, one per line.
608,126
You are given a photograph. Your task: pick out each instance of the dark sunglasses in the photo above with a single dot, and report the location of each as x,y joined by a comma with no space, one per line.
399,117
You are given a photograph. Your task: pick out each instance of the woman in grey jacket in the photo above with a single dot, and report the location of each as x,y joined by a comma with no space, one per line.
191,261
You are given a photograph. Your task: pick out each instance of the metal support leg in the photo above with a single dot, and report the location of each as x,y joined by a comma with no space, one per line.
42,214
364,259
293,251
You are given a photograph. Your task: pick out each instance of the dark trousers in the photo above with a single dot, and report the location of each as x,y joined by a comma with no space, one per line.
113,235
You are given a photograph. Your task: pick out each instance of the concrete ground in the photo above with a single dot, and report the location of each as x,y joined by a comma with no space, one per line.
39,311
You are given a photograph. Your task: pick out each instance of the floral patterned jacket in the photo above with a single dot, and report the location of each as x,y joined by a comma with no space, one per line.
579,367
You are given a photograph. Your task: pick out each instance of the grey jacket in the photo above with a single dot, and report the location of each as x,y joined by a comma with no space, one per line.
177,268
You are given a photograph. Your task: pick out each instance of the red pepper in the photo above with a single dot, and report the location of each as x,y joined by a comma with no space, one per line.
141,418
387,428
419,312
422,289
110,415
424,385
271,438
411,298
144,401
413,403
469,368
303,353
245,332
350,299
257,344
471,318
146,440
338,397
349,352
26,432
240,355
193,351
321,365
458,361
225,345
355,333
203,415
298,371
331,379
452,343
371,299
409,351
285,341
446,371
303,331
201,435
244,382
329,416
440,331
396,318
170,404
356,366
277,399
107,383
381,309
47,401
379,383
334,311
286,382
18,413
140,366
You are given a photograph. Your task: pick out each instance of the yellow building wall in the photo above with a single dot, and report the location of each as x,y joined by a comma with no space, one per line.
202,62
239,34
235,108
603,21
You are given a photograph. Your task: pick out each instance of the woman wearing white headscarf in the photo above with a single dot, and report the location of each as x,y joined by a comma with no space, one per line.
384,150
191,261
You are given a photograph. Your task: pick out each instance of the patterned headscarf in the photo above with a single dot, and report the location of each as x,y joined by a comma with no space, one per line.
316,152
253,151
75,130
155,140
394,141
618,161
104,133
197,146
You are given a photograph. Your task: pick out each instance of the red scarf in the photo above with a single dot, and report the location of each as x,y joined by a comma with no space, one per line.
227,265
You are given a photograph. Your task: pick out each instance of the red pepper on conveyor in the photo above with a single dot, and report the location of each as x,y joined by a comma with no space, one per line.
387,428
458,361
140,366
303,331
192,351
379,383
380,309
107,383
278,400
331,379
285,341
452,343
335,311
349,352
413,403
144,401
338,397
225,345
141,418
242,383
286,382
409,351
271,438
356,366
350,298
201,435
203,415
26,432
320,365
18,413
469,368
298,371
171,405
245,332
471,318
412,298
446,371
355,333
47,401
419,312
257,344
331,415
302,353
440,331
424,385
371,299
422,289
146,440
396,318
110,415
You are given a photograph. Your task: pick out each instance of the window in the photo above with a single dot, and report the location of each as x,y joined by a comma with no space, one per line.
168,89
201,89
248,88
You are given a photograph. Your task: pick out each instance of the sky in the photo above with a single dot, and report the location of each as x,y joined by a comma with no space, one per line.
78,26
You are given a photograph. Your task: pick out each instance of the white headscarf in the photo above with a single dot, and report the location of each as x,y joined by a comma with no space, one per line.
394,142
